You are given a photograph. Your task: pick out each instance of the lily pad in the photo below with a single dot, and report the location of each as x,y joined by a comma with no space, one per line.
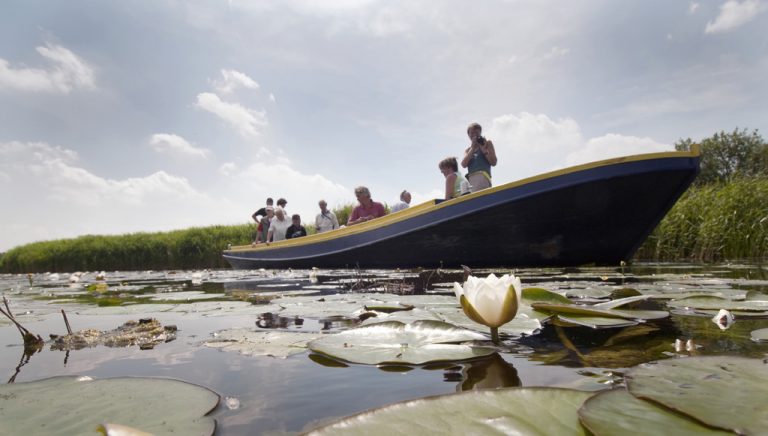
261,343
541,295
530,411
77,405
621,302
576,309
760,335
723,392
618,412
416,343
522,324
594,322
715,303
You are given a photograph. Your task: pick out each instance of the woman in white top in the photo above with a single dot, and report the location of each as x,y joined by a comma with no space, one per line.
278,226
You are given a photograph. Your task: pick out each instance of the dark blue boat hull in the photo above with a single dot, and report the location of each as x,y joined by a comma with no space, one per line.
597,215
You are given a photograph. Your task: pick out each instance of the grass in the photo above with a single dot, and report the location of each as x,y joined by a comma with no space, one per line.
714,222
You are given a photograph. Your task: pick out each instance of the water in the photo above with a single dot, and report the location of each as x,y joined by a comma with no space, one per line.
288,395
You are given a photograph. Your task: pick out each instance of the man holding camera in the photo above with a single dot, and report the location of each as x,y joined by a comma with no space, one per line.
478,159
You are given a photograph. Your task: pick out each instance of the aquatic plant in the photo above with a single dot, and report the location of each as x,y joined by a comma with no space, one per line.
491,301
712,223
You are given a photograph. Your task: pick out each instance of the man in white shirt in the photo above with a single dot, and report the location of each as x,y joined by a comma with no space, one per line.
325,220
404,203
278,226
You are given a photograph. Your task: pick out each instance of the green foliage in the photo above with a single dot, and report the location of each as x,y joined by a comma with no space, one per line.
181,249
714,222
343,212
726,156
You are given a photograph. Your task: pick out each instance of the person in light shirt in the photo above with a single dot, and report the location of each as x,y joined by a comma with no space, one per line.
404,203
278,226
326,220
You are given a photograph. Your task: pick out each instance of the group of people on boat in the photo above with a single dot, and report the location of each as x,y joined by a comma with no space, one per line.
479,157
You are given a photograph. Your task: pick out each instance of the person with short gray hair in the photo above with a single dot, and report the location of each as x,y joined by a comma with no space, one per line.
404,203
367,209
326,220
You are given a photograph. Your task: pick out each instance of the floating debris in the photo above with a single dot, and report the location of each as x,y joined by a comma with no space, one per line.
146,333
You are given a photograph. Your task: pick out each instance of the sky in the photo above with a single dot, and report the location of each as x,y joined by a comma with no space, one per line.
152,115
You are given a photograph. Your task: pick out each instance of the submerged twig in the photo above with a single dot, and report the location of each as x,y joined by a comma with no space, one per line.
31,341
66,321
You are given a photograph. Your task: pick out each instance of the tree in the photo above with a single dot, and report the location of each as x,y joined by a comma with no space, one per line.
728,155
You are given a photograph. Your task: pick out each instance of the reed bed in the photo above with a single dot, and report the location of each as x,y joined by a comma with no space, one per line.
714,222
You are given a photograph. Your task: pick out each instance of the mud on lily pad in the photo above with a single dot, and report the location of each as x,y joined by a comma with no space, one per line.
78,405
529,411
416,343
261,343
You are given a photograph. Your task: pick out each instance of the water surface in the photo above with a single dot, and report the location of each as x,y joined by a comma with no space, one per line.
288,395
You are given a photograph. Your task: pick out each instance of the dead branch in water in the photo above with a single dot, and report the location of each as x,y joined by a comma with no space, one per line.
31,341
66,321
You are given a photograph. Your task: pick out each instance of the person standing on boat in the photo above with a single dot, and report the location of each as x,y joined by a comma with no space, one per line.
281,202
325,220
455,184
367,209
404,203
478,159
278,226
263,230
263,211
296,230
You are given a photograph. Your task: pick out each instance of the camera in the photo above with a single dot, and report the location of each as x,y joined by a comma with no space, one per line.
481,140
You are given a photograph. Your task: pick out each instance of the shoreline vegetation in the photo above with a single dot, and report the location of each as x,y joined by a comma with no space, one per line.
723,216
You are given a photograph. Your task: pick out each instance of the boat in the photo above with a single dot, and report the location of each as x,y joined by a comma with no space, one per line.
592,214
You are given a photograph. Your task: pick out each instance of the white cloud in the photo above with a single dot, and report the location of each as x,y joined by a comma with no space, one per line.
556,52
227,168
67,73
272,97
174,144
614,145
734,14
692,7
248,122
231,80
62,198
528,144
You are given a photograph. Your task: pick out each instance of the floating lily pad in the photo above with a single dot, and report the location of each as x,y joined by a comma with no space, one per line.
576,309
594,322
522,324
394,342
618,412
715,303
723,392
760,335
621,302
261,343
529,411
541,295
77,405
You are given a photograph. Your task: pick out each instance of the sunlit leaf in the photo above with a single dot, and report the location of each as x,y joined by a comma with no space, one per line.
529,411
74,405
394,342
720,391
261,343
618,412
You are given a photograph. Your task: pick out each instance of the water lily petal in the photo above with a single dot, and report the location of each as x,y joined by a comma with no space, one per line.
470,311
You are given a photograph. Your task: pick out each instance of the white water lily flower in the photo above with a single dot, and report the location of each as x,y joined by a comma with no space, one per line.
491,301
723,319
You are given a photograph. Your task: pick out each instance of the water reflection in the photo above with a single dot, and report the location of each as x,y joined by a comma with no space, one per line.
490,373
